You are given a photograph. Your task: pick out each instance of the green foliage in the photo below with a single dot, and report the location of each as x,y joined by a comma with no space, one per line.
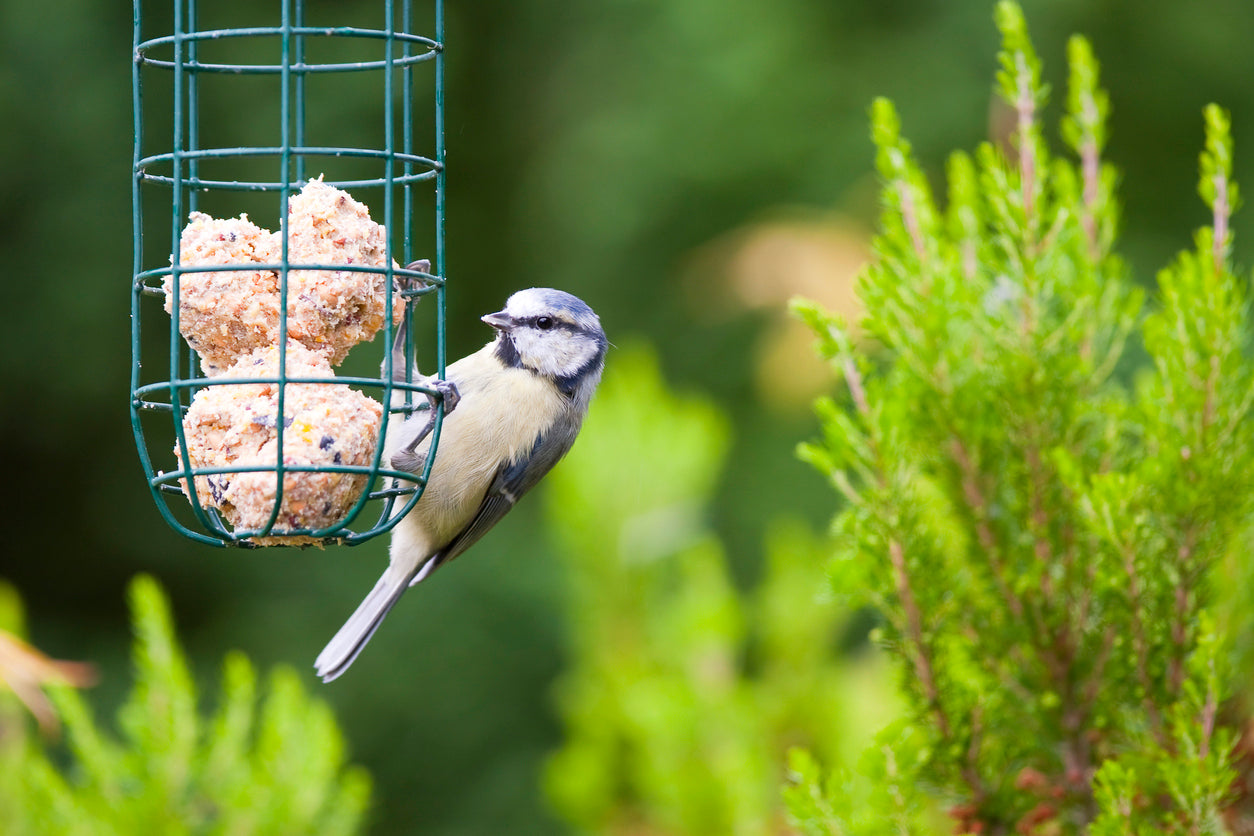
279,770
1189,764
1038,534
682,694
879,798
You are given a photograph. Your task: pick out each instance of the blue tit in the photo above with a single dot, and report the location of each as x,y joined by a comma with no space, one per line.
513,409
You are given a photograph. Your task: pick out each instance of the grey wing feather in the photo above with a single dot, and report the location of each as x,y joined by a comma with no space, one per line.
511,482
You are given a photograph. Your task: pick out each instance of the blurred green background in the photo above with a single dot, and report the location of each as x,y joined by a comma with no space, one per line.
685,166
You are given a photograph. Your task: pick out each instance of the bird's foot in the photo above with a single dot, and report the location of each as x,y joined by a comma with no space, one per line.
422,265
447,393
409,462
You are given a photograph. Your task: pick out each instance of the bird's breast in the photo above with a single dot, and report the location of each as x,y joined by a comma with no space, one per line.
501,413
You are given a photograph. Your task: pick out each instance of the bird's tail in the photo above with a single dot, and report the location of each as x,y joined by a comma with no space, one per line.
352,637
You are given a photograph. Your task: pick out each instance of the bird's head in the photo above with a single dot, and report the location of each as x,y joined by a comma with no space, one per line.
553,334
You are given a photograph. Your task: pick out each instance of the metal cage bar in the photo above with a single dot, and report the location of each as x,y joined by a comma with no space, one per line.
159,405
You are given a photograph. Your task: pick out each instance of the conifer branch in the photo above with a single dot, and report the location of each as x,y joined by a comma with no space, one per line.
1140,644
1025,110
978,508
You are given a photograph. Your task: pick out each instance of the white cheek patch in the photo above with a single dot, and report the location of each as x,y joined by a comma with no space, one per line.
557,353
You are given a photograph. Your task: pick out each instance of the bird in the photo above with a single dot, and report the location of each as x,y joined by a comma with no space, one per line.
512,411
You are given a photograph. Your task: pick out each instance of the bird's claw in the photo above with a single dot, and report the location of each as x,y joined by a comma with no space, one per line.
406,283
447,392
409,461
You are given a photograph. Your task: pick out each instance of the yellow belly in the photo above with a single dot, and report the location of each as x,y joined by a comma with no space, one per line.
501,413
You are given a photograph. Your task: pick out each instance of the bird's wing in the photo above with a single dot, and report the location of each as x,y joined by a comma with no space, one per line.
511,482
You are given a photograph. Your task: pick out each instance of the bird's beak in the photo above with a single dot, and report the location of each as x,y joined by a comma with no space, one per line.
499,320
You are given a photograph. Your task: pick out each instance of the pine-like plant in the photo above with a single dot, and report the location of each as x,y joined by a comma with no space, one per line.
1036,520
277,768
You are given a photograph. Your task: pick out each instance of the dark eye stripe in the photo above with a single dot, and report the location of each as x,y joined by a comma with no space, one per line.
545,322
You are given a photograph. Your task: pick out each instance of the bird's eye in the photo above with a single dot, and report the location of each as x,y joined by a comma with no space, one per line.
544,323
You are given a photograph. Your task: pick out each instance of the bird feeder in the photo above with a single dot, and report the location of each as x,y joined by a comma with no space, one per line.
246,433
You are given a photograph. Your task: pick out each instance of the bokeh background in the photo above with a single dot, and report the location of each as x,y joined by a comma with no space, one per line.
685,166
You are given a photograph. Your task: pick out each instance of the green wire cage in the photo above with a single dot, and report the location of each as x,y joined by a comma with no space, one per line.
208,137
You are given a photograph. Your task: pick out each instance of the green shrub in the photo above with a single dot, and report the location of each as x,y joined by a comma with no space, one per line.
1036,519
